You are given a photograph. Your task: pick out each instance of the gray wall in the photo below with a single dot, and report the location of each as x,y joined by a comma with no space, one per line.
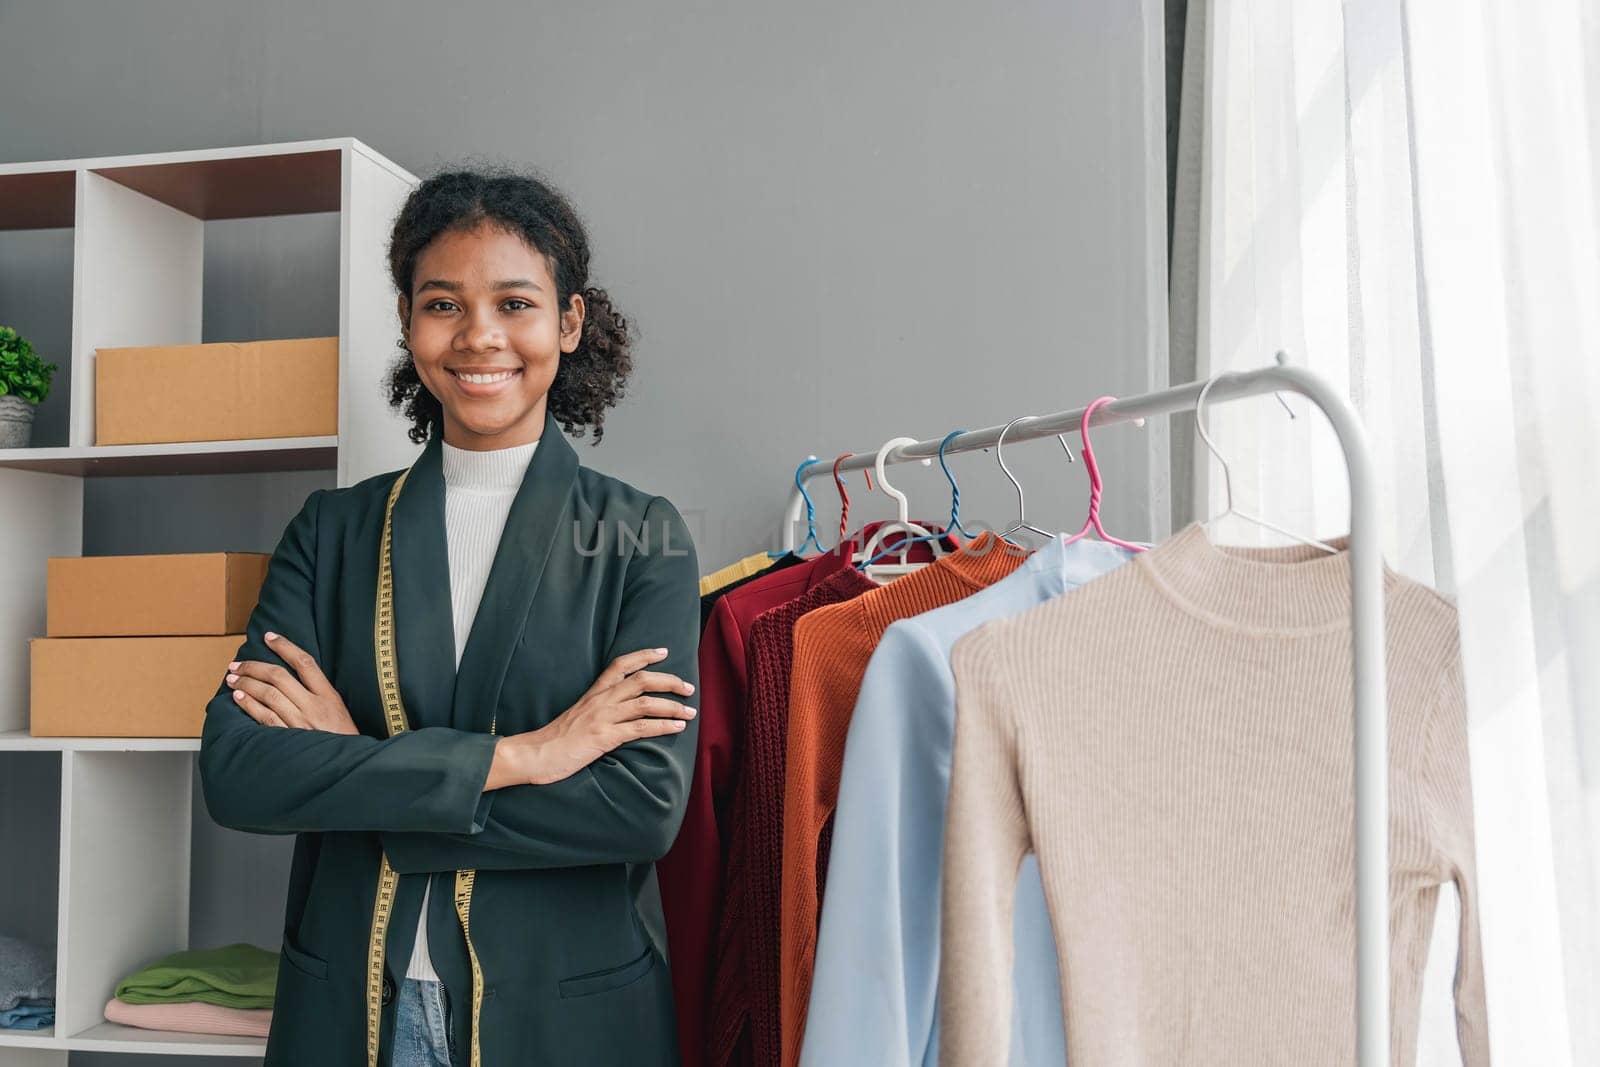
833,223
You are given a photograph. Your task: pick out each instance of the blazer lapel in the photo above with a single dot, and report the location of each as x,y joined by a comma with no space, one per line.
539,515
435,691
424,627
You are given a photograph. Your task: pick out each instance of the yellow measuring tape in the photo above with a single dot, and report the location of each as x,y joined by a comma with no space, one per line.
395,715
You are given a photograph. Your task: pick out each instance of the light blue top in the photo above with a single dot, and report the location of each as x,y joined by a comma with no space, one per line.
874,992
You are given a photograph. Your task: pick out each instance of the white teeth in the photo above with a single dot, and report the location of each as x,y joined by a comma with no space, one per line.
484,379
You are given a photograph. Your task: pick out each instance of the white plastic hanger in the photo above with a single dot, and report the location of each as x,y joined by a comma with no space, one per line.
1227,478
882,573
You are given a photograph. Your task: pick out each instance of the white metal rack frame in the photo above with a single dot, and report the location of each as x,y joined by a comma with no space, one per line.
1367,634
120,887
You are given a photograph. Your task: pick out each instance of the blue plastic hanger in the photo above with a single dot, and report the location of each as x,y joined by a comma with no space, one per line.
955,490
811,514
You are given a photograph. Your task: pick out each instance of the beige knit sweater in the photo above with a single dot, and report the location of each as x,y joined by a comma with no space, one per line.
1174,741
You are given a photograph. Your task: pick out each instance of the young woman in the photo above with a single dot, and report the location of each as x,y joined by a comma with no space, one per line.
465,686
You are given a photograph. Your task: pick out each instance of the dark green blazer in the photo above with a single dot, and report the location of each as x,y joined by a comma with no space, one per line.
588,568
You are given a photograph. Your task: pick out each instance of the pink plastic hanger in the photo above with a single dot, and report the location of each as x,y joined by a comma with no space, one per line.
1093,521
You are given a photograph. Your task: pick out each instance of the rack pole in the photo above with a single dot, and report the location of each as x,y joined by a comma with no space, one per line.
1371,747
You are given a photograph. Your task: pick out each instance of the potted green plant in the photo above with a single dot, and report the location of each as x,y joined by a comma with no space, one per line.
24,382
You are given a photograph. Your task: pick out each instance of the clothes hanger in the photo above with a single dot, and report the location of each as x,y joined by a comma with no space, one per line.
880,572
844,499
844,503
1022,522
1095,484
955,510
1227,475
955,490
811,514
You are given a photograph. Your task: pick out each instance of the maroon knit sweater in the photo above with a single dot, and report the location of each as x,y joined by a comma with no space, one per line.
744,1023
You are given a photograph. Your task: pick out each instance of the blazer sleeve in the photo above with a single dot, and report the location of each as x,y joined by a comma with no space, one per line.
277,780
626,806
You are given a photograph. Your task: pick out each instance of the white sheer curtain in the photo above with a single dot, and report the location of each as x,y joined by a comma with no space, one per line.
1403,196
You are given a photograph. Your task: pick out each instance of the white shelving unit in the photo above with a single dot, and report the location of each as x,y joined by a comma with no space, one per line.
121,879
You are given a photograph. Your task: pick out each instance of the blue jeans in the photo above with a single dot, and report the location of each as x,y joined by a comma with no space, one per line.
422,1036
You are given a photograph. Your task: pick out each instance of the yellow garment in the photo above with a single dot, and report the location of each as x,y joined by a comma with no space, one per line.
734,571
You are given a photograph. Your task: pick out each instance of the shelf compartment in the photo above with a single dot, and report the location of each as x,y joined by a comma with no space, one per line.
30,819
149,261
125,823
30,798
36,290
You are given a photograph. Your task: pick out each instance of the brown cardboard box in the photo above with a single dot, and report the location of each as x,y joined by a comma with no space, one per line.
216,392
126,686
129,596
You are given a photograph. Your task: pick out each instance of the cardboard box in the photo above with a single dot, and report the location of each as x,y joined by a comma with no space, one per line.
125,686
189,594
216,392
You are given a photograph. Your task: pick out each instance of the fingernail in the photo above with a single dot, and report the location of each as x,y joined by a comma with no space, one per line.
691,712
238,694
234,665
232,678
661,652
688,687
271,636
678,724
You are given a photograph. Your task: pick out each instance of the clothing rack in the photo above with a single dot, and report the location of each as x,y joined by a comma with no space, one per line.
1367,631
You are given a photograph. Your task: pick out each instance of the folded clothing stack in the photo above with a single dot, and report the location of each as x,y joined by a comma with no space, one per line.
27,985
224,990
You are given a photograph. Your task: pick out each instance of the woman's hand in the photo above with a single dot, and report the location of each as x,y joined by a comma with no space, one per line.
612,713
273,696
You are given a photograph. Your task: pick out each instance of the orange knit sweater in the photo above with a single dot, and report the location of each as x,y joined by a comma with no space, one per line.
831,648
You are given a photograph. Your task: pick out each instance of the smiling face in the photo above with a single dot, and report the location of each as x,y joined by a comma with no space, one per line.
486,335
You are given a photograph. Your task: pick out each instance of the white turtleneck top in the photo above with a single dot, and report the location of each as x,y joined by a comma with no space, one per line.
478,490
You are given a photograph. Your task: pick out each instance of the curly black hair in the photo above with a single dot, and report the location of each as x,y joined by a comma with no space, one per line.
589,379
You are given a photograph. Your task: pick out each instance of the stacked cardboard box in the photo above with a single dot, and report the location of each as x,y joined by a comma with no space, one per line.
136,646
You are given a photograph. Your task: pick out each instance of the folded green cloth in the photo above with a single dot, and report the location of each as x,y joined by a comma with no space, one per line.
234,976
